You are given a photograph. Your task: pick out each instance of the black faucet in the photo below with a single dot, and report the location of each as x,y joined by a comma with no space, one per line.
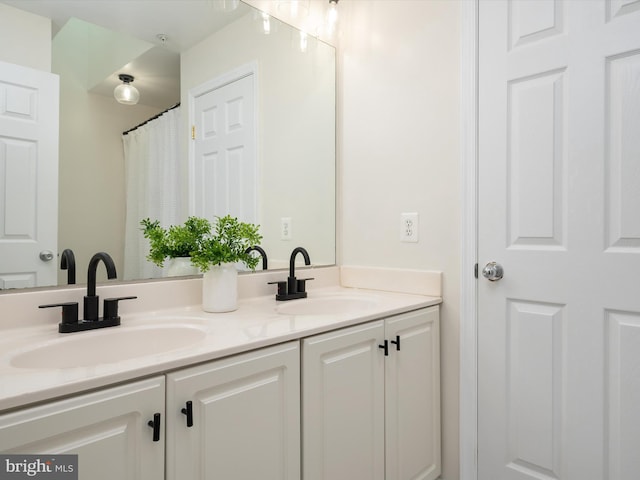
68,263
70,322
262,253
294,287
91,299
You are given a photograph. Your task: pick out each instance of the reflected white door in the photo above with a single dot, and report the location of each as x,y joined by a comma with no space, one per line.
559,187
28,176
224,177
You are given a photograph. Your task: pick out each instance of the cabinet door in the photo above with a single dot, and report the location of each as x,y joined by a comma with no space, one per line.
107,430
413,396
343,404
246,417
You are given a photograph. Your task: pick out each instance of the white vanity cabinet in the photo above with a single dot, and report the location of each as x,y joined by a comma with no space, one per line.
367,415
244,413
330,406
108,429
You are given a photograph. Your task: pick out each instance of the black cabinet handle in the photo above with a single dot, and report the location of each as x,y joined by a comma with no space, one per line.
155,424
397,342
385,346
188,411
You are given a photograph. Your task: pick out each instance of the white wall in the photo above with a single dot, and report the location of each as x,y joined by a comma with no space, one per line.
398,138
25,38
398,150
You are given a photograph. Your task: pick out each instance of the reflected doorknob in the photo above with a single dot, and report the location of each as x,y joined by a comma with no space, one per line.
493,271
46,255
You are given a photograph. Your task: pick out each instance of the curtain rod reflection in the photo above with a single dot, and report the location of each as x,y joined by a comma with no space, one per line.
152,118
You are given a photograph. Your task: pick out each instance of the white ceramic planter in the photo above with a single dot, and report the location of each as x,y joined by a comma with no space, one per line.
220,288
181,266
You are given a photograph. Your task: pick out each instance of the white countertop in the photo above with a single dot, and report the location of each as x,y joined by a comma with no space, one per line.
256,323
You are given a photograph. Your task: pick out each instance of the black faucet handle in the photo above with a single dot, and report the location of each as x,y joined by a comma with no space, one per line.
69,312
282,286
302,284
110,310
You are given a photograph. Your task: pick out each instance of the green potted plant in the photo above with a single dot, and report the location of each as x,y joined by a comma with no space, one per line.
212,248
217,253
175,243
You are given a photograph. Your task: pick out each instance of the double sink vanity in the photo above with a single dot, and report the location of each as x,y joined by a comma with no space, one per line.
342,384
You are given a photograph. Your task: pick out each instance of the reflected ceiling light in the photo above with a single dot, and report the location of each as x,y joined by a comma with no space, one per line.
295,7
304,41
266,23
126,93
225,5
332,16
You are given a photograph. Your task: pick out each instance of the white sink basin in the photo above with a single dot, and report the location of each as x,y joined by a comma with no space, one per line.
335,305
109,345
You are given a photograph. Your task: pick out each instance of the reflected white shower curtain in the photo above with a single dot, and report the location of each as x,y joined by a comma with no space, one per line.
152,164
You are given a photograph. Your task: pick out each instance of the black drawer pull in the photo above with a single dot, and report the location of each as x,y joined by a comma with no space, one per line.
155,424
188,411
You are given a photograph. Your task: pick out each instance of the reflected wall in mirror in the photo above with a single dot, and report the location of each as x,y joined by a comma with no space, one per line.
295,107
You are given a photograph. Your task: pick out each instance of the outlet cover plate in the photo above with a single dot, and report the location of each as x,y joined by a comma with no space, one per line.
409,224
285,228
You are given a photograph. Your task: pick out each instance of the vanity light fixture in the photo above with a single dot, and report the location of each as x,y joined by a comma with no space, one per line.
126,93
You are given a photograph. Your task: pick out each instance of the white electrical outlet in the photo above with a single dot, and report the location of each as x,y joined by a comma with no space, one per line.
409,227
285,228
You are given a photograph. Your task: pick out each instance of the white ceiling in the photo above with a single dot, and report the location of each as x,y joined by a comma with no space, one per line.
184,22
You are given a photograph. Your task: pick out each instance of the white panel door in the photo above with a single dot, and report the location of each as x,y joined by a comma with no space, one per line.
343,404
225,176
108,430
246,418
28,176
559,209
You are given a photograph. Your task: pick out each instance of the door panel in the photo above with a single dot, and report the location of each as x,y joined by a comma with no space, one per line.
535,187
559,176
623,393
623,144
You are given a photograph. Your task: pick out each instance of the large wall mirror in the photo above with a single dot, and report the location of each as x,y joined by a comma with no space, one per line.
173,48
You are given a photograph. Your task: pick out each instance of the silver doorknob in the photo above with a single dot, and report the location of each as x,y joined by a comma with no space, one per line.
46,255
493,271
